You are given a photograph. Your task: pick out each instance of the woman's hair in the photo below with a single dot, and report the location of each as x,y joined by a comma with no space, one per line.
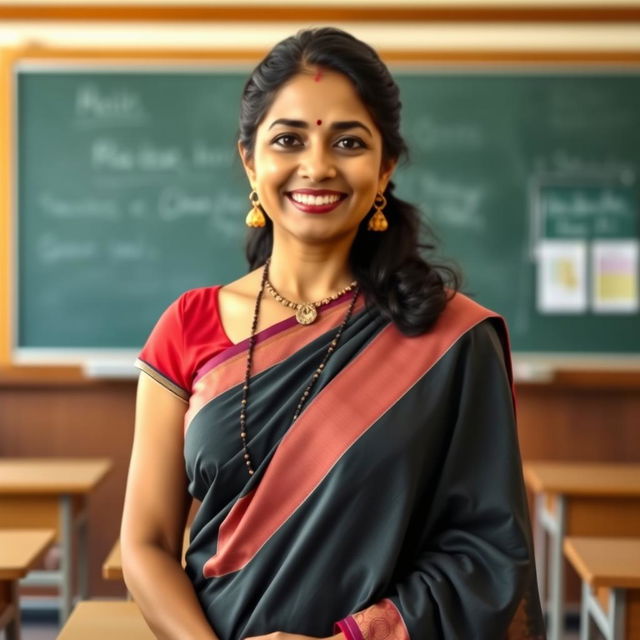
392,273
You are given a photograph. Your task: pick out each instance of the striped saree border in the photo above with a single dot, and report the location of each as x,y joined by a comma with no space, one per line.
316,447
162,379
269,332
275,348
381,621
349,628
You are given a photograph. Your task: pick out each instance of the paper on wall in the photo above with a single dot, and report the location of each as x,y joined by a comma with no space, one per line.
615,276
562,276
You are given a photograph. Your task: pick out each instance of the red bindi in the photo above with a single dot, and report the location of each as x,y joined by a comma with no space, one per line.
318,75
318,122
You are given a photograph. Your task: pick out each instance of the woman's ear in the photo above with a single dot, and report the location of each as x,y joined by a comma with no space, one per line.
247,162
386,171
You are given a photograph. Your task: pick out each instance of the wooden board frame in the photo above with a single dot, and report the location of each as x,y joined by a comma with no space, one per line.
303,13
21,375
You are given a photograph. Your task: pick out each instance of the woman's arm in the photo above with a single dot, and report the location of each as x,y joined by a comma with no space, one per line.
156,507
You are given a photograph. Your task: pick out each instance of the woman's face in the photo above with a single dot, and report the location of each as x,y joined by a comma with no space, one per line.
317,163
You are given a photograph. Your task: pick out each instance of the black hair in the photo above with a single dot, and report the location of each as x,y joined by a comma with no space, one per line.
390,267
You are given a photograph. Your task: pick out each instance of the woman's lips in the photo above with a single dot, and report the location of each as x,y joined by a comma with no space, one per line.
316,208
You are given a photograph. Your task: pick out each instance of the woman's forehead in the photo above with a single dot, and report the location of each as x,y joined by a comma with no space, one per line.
317,94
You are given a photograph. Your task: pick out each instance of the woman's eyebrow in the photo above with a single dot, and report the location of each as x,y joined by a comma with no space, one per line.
300,124
350,124
339,126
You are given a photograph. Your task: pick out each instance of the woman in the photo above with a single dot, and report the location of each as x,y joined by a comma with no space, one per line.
355,457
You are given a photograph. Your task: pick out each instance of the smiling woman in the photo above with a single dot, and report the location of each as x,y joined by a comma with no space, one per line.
299,168
351,434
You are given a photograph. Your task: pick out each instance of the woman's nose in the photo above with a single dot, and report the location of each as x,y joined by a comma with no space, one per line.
316,164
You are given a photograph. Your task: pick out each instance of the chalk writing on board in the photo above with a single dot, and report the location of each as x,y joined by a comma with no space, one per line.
52,249
574,211
174,203
453,203
109,154
86,207
130,251
96,105
561,161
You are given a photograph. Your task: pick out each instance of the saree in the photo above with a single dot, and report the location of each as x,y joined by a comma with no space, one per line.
393,508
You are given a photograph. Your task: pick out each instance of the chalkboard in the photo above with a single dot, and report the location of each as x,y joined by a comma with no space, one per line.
129,191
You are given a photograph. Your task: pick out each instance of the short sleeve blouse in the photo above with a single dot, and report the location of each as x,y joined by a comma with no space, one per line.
187,334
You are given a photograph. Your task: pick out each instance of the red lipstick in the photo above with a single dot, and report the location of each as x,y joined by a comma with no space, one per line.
308,200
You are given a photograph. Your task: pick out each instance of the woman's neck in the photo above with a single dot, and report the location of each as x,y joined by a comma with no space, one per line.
305,273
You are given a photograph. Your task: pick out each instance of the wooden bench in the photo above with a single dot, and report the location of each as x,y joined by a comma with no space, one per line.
20,550
578,499
106,620
610,572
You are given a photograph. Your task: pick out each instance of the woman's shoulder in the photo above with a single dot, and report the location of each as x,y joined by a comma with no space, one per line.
206,299
205,311
466,314
484,331
244,287
474,322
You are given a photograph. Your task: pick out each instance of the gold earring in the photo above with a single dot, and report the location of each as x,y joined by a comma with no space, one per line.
378,222
255,217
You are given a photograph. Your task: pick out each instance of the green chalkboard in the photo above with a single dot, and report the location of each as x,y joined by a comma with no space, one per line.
129,191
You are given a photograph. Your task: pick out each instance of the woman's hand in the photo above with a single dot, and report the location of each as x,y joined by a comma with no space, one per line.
281,635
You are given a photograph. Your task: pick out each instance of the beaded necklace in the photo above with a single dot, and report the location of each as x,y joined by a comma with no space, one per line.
252,341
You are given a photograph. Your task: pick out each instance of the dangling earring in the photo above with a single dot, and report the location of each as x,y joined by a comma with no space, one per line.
378,222
255,217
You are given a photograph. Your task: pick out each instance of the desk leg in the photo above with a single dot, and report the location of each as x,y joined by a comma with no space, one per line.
616,613
12,630
83,554
66,559
556,571
540,547
585,622
611,623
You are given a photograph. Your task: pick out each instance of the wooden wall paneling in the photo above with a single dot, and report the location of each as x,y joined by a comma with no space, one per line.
93,421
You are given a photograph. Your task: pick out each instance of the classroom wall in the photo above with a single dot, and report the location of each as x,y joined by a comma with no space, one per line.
584,417
258,34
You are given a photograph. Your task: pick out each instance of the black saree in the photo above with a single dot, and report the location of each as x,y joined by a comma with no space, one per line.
393,508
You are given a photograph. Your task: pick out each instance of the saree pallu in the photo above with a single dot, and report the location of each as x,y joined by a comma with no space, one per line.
393,507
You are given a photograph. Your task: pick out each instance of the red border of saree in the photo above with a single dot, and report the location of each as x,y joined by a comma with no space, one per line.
313,443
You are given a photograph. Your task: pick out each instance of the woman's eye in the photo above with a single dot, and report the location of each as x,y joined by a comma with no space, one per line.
286,140
350,144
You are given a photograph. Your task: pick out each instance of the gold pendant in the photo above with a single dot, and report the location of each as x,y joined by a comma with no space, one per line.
306,314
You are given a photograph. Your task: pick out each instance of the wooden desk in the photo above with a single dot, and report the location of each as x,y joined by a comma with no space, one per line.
20,550
578,499
106,620
53,492
610,572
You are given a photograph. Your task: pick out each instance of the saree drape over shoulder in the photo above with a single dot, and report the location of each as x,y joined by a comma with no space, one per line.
393,508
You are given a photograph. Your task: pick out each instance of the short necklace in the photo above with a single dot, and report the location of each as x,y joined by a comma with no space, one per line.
305,394
306,312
